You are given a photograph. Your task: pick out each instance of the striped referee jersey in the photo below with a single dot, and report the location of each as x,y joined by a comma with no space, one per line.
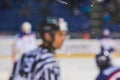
39,64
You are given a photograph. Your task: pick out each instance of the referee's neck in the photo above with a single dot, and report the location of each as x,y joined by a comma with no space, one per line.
48,47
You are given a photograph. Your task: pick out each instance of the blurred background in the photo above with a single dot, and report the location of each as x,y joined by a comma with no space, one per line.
86,21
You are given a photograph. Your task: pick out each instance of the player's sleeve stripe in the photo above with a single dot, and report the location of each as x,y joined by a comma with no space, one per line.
45,64
56,72
56,77
53,74
48,59
40,71
46,75
17,67
38,76
50,75
42,77
47,55
13,71
14,68
41,61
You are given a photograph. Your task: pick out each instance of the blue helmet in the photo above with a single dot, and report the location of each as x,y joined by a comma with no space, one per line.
103,61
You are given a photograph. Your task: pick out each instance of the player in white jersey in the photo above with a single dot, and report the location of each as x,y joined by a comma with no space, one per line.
25,41
107,43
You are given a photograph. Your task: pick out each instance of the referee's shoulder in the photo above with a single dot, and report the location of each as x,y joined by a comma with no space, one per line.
32,54
39,53
36,51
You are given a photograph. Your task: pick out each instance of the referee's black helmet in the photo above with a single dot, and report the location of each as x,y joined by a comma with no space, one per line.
51,26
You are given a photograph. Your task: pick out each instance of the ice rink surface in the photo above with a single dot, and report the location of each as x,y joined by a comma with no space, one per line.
71,68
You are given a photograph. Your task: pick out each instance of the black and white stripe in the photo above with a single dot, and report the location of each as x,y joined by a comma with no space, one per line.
44,67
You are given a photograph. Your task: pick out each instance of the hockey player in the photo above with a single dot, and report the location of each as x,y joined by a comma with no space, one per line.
107,70
25,41
107,43
41,64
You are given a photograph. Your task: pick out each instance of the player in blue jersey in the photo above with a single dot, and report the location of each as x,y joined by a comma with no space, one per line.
107,70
